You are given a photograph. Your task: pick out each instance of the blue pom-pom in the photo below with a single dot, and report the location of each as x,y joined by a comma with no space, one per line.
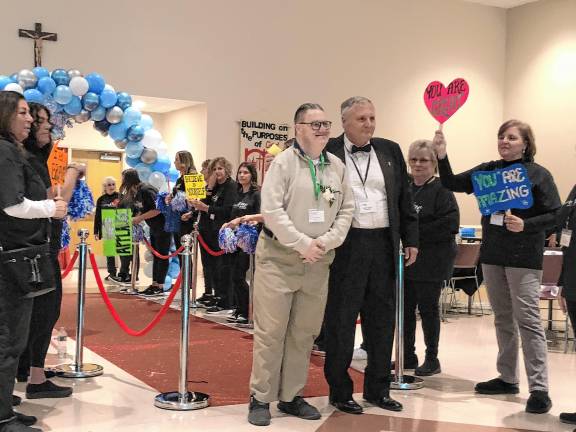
161,202
247,237
179,202
138,233
227,240
82,202
65,238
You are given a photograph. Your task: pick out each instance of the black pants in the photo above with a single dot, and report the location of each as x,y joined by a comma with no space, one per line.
45,314
160,241
15,315
111,265
125,263
361,281
223,286
240,266
425,296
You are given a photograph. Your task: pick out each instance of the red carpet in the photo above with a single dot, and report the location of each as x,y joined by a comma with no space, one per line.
220,357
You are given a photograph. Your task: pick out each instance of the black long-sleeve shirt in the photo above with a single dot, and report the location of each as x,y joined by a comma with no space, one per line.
499,245
248,203
220,203
104,202
567,219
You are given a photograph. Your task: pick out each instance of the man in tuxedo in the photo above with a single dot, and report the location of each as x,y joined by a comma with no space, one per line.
362,276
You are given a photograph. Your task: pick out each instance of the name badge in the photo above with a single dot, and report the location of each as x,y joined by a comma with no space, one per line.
212,216
315,216
565,237
366,207
497,218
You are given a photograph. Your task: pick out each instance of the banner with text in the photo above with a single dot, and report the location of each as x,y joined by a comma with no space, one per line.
117,232
256,138
502,189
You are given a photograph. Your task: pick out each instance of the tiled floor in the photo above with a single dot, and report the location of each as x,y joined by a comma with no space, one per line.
117,401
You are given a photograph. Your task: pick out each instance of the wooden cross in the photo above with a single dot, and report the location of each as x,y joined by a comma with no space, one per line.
39,36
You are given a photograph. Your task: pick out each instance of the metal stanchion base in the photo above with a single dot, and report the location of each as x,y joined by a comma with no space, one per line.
87,370
409,382
174,401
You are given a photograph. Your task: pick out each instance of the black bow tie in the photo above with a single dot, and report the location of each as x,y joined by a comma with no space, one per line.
366,148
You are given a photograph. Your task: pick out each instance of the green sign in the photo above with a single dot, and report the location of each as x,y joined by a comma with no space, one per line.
117,232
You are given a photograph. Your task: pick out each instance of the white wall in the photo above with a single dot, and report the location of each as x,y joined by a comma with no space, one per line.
261,59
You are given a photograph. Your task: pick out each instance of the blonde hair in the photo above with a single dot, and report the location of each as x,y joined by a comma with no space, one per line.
426,145
106,180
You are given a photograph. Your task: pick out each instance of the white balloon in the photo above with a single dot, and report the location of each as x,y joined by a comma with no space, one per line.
79,86
157,179
14,87
152,138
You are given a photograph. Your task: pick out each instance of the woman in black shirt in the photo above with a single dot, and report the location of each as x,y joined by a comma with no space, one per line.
108,200
511,254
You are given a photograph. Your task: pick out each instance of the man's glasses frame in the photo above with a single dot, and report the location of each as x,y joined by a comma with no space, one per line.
316,125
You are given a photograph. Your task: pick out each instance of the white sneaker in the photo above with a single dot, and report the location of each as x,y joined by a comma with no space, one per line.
359,354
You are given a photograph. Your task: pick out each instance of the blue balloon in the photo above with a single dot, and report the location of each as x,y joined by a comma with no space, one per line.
14,77
144,171
46,85
4,81
108,98
96,82
90,101
41,72
173,174
33,95
98,114
134,150
118,131
146,122
60,77
74,106
132,162
124,100
162,164
63,94
135,133
132,116
167,283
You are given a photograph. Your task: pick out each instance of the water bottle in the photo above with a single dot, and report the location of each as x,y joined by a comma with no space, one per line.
61,343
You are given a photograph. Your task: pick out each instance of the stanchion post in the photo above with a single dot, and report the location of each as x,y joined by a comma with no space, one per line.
401,381
184,400
194,282
135,268
79,369
250,317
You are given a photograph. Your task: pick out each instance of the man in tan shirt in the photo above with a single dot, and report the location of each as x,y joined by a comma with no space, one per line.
307,208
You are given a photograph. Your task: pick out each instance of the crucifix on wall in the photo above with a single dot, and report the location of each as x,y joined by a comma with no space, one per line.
39,37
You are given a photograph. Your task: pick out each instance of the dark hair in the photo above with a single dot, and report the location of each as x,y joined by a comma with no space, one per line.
130,183
526,134
253,174
30,143
302,109
185,158
8,107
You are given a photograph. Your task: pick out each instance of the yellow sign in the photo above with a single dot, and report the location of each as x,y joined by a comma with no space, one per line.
195,186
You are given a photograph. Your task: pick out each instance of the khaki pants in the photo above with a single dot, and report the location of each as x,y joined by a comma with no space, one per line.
289,302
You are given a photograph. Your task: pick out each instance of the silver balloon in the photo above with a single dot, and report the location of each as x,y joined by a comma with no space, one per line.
121,144
114,115
82,117
74,73
148,156
27,79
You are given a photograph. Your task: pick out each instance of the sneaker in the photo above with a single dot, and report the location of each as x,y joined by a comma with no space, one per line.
539,402
152,291
16,426
241,320
428,368
217,310
26,420
300,408
110,277
496,386
121,279
258,412
359,354
204,298
569,418
47,390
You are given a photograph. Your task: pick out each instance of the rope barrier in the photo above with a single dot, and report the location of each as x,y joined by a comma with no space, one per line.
207,248
159,255
115,314
70,265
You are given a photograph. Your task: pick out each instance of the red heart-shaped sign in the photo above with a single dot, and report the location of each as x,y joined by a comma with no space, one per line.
442,101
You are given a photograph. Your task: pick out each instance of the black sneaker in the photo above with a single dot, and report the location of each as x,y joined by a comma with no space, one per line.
539,402
428,368
569,418
258,412
300,408
204,298
47,390
152,291
110,276
120,279
496,386
16,426
241,320
26,420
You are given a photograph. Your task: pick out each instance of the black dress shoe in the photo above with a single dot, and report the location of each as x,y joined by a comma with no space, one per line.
26,420
386,403
350,407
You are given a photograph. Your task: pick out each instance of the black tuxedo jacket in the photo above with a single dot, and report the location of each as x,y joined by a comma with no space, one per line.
401,213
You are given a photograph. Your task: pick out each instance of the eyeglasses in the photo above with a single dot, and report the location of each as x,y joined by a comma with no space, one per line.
422,161
110,184
316,125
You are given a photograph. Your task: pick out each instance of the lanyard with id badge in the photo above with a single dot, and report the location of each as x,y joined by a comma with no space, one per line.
364,206
566,234
316,215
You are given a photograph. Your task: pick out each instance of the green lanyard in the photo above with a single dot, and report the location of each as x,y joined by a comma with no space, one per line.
315,182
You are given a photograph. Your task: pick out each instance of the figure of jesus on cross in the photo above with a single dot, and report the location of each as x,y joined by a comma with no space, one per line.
38,36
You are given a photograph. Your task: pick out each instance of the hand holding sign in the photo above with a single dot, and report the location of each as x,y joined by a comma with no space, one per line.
513,223
443,102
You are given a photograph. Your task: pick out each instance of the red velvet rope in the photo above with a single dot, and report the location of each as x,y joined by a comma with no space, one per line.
159,255
68,268
207,248
115,314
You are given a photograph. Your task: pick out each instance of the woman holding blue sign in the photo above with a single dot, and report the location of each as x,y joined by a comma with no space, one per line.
518,199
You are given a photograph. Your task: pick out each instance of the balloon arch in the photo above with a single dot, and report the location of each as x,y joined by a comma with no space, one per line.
75,98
